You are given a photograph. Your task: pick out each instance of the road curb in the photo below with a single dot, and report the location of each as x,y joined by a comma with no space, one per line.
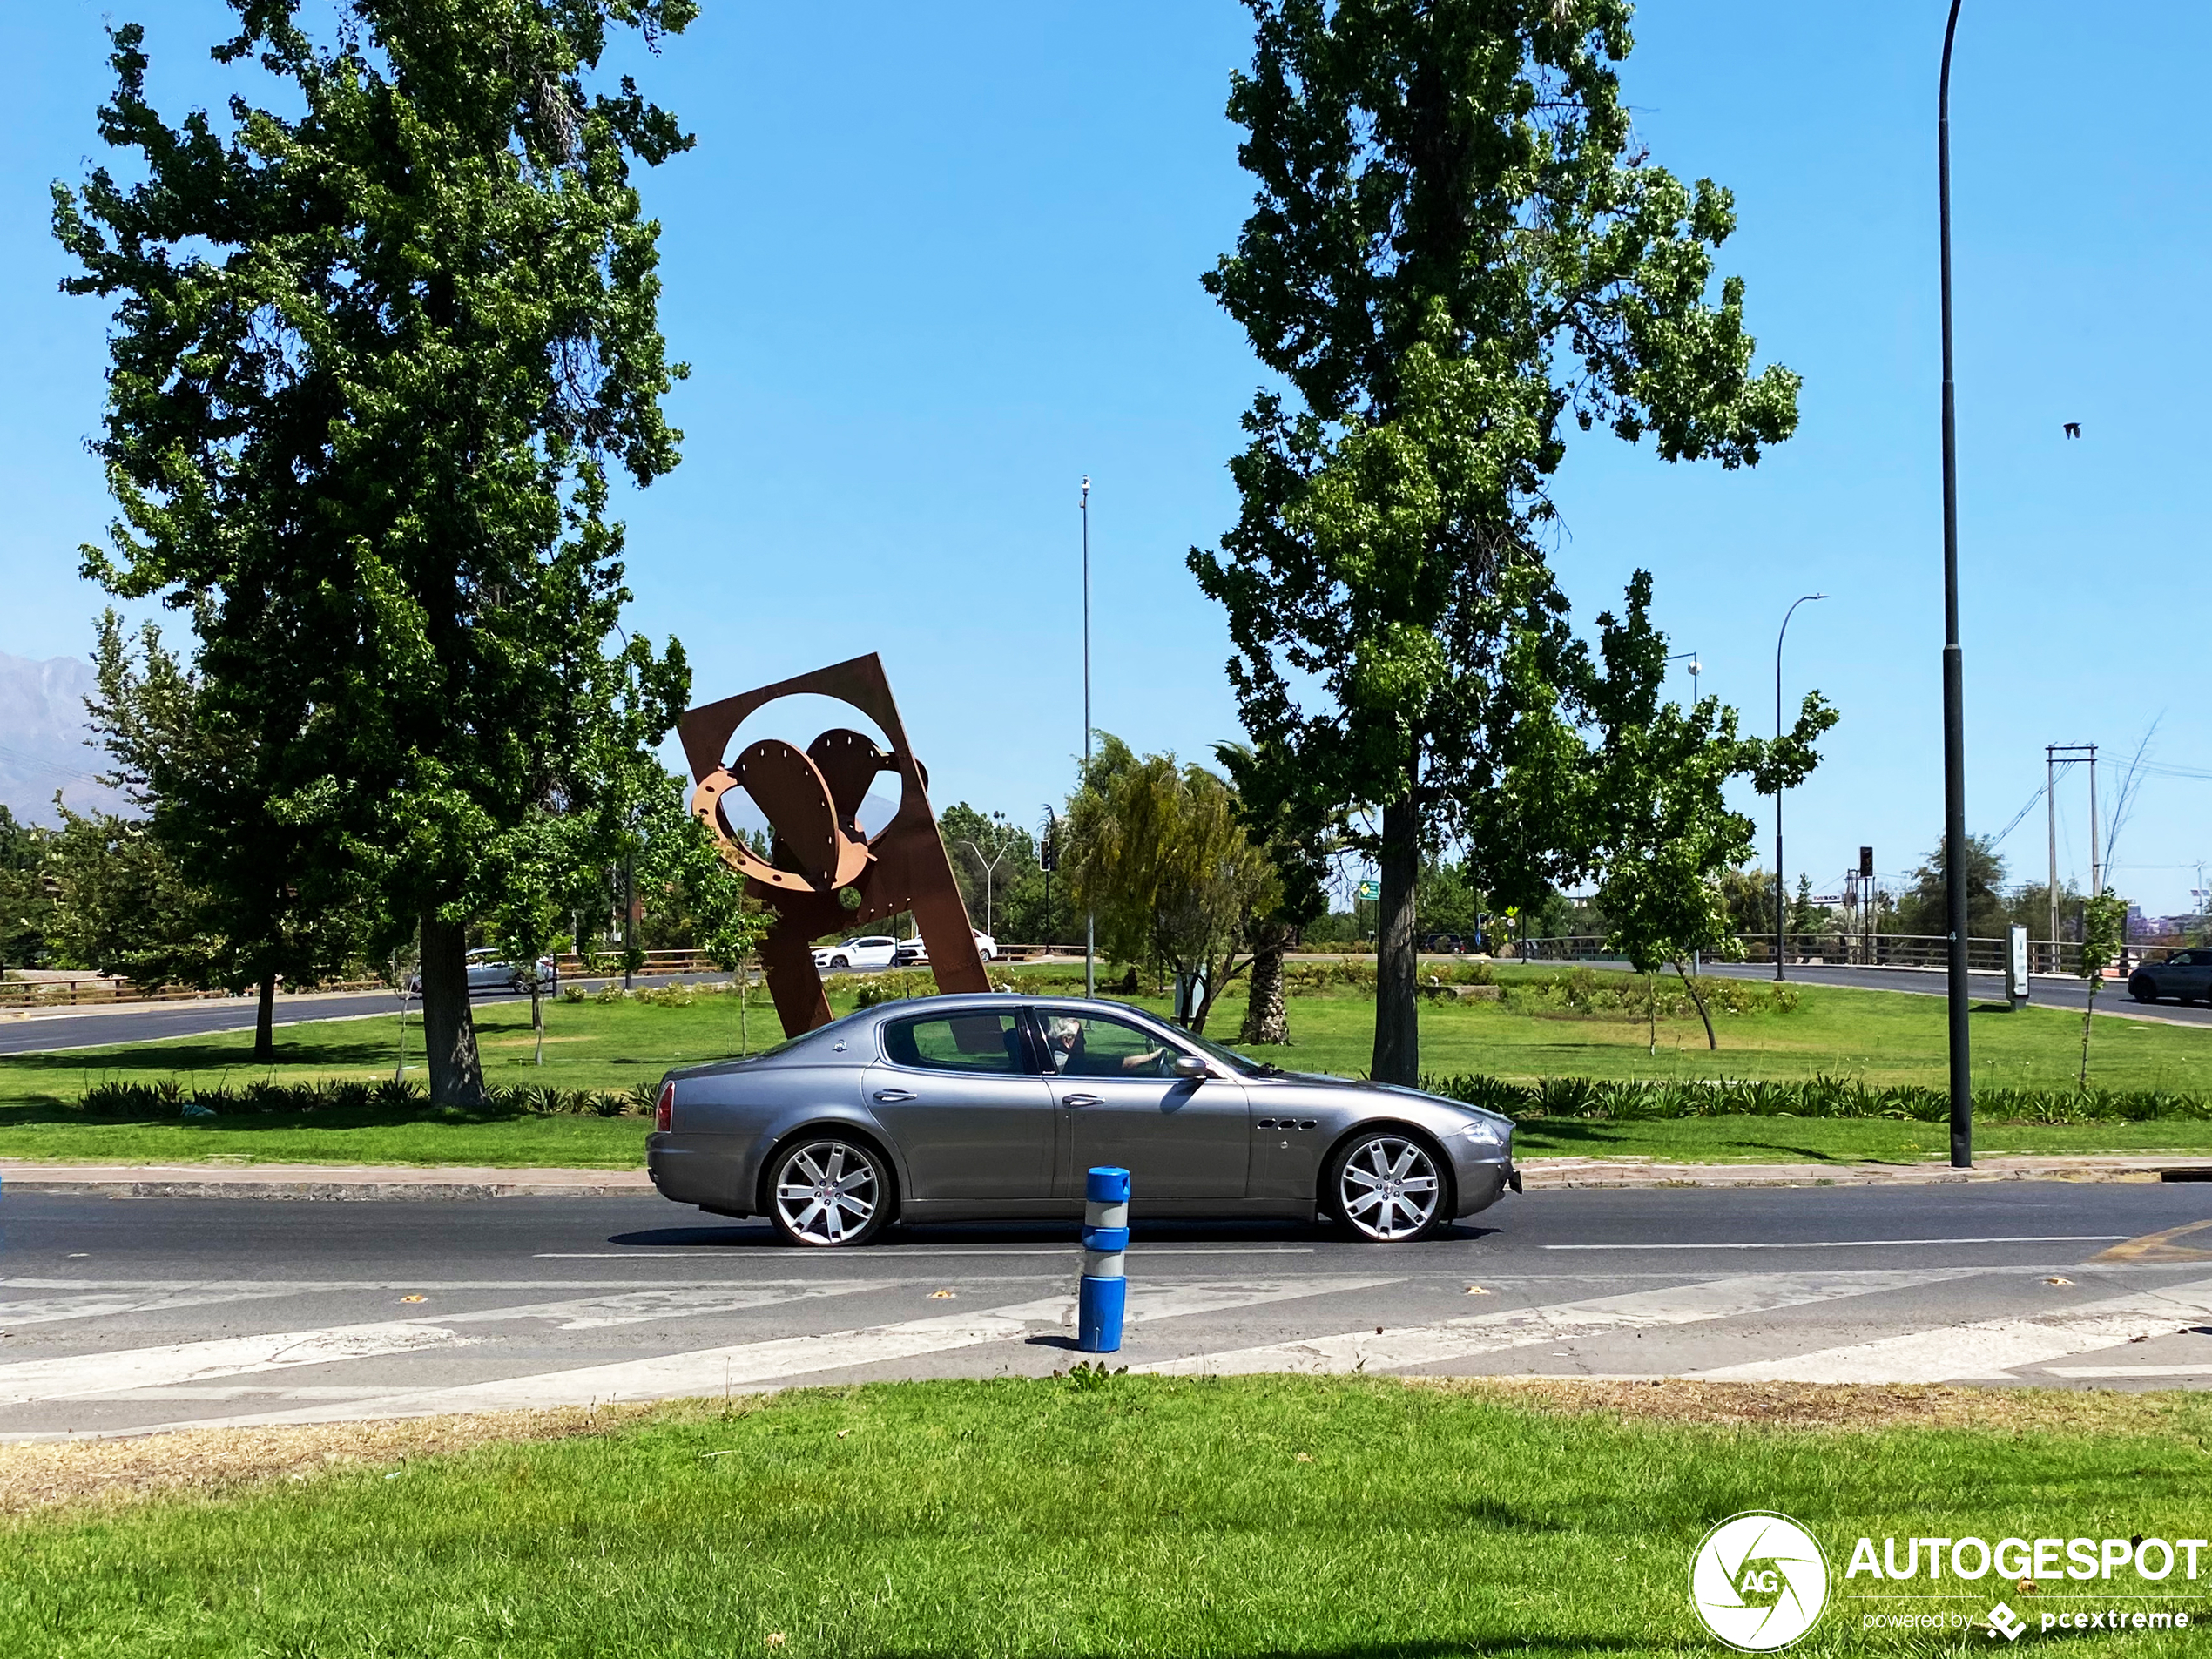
318,1183
1538,1174
325,1183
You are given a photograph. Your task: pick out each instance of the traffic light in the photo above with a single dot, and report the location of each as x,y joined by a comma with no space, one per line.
1048,854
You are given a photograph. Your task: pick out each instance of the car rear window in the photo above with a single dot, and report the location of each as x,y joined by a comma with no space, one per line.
957,1043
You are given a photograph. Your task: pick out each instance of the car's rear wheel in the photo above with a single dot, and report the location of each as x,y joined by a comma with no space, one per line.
828,1189
1389,1186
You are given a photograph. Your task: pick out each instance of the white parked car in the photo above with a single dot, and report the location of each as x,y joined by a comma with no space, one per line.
490,971
873,951
914,953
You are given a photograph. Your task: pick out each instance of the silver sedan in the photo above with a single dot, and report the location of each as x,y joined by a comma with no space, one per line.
974,1108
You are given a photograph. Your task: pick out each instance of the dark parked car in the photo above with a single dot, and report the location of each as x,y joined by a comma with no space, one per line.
2185,975
965,1107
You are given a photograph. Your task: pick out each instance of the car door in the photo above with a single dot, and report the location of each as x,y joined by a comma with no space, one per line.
1178,1137
876,953
960,1094
486,973
2193,981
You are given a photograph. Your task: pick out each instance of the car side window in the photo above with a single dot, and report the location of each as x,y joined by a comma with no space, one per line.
1091,1045
986,1042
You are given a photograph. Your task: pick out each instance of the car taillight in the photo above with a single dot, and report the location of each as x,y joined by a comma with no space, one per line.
664,1113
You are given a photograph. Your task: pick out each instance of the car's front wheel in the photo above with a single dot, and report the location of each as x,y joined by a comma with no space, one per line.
2143,988
1389,1186
840,961
828,1189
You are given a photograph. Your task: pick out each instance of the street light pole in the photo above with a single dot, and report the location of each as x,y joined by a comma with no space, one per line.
1954,693
1781,882
1689,657
1090,917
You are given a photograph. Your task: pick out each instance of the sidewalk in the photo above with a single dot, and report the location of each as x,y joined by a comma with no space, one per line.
330,1182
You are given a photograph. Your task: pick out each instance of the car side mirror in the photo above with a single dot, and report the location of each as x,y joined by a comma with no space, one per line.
1188,1065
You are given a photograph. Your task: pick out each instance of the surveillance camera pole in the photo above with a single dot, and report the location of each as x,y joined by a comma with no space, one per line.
1955,694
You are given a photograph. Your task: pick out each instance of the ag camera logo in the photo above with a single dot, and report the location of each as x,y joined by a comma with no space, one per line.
1759,1581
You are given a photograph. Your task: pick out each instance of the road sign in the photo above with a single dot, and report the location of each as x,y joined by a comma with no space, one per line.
1368,890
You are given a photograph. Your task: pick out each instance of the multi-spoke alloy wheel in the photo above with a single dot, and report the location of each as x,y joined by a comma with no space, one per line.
828,1191
1387,1188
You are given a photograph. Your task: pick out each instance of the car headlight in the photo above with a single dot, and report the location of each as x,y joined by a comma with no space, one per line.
1485,1131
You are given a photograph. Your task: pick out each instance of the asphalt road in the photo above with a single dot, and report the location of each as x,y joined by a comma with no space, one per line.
1988,988
127,1314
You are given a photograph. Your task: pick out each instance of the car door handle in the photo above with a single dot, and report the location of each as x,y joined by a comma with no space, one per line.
1079,1099
890,1096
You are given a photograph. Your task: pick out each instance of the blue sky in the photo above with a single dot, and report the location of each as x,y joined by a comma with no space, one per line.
931,267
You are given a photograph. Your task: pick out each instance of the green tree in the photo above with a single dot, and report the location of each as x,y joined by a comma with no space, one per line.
26,907
1157,849
1457,249
1661,828
120,906
207,776
2104,931
1921,908
377,347
1301,867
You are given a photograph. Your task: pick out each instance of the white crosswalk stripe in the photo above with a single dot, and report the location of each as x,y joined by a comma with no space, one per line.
1985,1347
749,1365
101,1305
1395,1348
176,1363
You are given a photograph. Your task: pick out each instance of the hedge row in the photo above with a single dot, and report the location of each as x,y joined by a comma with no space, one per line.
169,1098
1631,1101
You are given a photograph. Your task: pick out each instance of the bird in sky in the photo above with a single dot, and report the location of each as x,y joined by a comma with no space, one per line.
2073,428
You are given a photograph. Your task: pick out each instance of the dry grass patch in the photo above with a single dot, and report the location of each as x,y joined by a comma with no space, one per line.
51,1474
1850,1406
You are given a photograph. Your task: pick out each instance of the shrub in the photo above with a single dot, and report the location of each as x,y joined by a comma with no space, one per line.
1627,1100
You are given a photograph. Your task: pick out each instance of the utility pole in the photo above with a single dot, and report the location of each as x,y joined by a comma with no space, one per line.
2051,818
1955,673
2074,753
2096,863
1090,917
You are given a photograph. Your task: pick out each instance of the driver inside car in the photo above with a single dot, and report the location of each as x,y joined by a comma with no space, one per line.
1064,1044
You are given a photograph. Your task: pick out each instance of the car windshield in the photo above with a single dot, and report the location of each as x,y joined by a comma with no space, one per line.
1243,1064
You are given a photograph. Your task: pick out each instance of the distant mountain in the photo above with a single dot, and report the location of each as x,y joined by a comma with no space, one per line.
42,740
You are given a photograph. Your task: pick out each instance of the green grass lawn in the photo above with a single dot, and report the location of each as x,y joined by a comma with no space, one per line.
1255,1516
1883,1037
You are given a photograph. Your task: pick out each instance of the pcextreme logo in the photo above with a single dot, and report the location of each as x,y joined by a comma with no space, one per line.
1759,1581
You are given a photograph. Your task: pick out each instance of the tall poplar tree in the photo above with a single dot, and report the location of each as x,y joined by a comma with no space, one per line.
376,351
1457,251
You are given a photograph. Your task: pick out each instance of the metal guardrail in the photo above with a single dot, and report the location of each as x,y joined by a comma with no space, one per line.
93,991
2046,958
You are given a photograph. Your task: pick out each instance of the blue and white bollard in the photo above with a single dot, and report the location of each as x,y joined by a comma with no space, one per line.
1104,1291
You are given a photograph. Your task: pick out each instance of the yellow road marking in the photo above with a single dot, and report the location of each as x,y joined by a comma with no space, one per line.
2161,1247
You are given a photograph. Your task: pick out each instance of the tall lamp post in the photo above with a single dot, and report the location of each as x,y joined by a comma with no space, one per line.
1689,657
1090,917
1781,882
1955,694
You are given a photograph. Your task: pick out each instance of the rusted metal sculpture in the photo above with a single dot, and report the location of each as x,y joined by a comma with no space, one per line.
821,860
